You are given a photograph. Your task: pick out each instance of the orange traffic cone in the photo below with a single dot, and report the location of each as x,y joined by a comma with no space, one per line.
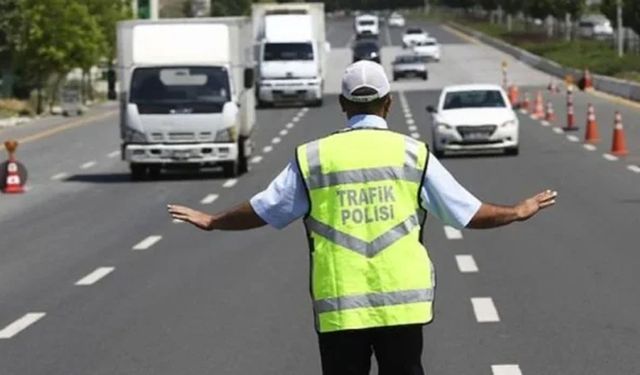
587,80
619,145
513,95
13,182
553,87
525,103
592,135
538,110
571,119
549,115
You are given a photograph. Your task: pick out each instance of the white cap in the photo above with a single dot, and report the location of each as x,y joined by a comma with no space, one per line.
368,75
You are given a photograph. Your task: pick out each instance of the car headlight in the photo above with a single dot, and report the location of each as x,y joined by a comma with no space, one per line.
227,135
509,123
444,126
134,136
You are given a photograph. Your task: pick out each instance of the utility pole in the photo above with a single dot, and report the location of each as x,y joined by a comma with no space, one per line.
620,30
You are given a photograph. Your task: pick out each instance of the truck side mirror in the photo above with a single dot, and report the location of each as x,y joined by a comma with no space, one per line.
249,78
430,109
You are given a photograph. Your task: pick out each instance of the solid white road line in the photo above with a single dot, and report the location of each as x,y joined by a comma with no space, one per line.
209,199
276,140
633,168
267,149
17,326
505,370
147,243
589,147
573,138
558,130
95,276
466,263
256,159
230,183
283,132
415,135
113,154
452,233
290,125
59,176
88,164
485,310
610,157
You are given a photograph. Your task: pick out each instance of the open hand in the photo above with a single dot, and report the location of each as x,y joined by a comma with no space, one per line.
529,207
197,218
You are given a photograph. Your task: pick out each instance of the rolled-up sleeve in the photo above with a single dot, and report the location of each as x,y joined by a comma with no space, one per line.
445,198
284,200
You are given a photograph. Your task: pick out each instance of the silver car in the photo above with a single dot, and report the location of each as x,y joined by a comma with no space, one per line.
410,66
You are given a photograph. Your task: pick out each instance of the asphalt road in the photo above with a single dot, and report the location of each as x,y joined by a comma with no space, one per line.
187,302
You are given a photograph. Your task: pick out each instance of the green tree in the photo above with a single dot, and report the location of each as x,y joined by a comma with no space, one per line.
630,12
220,8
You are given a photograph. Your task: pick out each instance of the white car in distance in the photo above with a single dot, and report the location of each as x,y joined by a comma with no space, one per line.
428,48
474,118
396,20
413,36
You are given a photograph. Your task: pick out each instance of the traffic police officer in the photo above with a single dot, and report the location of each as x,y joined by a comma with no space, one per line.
363,193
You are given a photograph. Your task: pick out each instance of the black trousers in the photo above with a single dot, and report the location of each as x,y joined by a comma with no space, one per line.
398,351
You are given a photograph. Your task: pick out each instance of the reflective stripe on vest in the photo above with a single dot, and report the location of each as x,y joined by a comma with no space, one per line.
369,268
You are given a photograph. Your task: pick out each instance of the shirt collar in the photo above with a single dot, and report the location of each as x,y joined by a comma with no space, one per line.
367,121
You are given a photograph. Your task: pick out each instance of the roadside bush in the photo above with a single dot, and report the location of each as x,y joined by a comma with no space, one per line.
14,107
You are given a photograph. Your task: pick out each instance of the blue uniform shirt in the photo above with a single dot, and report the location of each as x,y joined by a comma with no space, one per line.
285,200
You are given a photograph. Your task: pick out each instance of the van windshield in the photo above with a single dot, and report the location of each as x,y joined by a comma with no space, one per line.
366,23
175,90
288,51
474,99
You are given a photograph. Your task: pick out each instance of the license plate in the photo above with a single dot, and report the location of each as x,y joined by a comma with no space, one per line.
476,136
180,154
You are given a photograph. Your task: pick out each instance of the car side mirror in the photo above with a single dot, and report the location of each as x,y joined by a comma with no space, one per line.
249,78
430,109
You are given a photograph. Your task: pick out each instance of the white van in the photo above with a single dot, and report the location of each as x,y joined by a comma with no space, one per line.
367,25
595,26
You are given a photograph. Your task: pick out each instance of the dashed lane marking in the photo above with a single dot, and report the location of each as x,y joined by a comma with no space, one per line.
290,125
177,221
88,164
276,140
452,233
113,154
209,199
485,310
558,130
408,116
295,119
147,242
413,128
415,135
633,168
505,370
283,132
466,263
589,147
21,324
610,157
573,138
230,183
256,159
59,176
410,121
95,276
267,149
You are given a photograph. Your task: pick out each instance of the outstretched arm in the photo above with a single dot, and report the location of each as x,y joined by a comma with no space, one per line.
491,216
241,217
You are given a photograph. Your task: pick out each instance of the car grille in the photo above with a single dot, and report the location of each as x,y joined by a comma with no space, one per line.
182,137
478,134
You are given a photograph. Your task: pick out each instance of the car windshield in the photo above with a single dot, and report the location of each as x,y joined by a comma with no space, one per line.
474,99
414,31
366,23
288,51
180,89
410,59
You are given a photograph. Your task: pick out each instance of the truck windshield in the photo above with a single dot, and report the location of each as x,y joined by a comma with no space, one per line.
474,99
366,23
180,90
288,51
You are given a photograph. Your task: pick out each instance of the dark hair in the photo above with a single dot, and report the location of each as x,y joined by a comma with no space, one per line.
367,108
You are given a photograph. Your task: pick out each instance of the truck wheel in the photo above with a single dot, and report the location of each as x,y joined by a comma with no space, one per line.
425,77
154,172
243,163
231,169
138,171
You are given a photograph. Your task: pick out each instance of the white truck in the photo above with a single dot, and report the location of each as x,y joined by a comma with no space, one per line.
367,25
186,94
292,51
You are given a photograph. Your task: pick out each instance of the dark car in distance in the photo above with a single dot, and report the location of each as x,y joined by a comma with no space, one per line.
366,49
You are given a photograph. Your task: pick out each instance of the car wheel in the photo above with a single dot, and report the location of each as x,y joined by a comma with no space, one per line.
425,77
513,151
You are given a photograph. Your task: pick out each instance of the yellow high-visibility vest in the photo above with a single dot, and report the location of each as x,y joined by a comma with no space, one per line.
369,267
